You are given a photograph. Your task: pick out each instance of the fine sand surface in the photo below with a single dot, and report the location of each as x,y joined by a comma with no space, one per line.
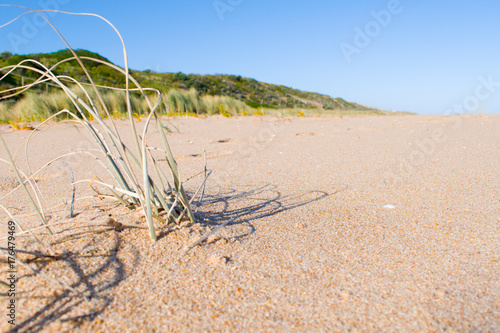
313,247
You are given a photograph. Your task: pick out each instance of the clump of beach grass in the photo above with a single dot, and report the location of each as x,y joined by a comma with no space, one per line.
92,107
225,105
35,106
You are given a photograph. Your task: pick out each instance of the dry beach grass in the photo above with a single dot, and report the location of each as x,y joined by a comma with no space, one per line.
310,247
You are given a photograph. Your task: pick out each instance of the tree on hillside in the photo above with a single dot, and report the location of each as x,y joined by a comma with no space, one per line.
5,55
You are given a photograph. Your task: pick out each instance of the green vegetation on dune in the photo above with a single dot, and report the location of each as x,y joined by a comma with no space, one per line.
250,91
184,94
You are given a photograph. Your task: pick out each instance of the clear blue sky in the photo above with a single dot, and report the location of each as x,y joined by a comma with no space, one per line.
425,56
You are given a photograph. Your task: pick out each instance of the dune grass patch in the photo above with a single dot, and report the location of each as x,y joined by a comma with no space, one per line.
131,166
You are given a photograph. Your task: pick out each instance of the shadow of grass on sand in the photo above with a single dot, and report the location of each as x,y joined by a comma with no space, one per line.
95,276
247,206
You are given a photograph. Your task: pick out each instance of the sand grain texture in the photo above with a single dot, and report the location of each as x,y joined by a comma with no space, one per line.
311,248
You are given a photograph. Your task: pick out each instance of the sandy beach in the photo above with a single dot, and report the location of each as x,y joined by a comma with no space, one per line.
369,224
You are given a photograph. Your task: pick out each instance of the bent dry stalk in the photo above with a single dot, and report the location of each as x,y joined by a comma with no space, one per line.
127,166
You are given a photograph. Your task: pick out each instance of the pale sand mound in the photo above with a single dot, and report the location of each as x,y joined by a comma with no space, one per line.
312,247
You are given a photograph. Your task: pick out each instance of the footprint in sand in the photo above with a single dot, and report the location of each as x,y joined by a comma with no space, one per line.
305,134
8,183
222,140
209,155
310,134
